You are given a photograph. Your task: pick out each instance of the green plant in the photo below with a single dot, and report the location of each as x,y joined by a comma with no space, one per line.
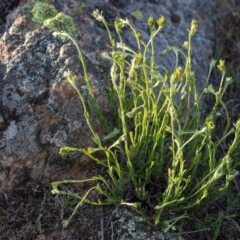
42,11
39,224
161,139
137,14
48,15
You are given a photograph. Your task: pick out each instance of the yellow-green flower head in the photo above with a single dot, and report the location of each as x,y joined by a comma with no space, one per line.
151,22
139,36
98,16
42,11
237,125
119,24
161,21
61,23
194,27
221,65
209,122
63,151
186,44
178,72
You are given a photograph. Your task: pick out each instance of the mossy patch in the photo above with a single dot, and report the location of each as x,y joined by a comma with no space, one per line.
48,15
61,23
42,11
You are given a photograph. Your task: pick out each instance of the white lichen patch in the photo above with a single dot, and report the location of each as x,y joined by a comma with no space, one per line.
11,131
59,138
134,227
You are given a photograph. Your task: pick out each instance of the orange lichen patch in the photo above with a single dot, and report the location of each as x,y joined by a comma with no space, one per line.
64,91
95,89
3,56
45,118
21,21
58,173
104,103
26,170
8,48
7,51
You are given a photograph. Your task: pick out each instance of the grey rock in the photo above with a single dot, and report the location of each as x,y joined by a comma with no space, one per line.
6,6
11,131
40,112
